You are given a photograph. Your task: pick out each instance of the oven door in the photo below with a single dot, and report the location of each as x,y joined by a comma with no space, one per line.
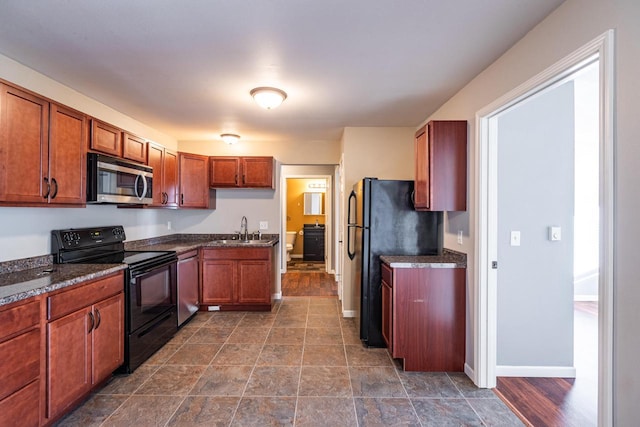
151,293
113,180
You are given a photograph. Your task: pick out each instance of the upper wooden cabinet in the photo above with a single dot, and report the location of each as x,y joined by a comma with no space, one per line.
441,166
134,148
241,172
106,138
42,150
193,177
165,176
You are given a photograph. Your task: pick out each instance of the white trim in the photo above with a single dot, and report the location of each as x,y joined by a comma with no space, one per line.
484,339
348,313
536,371
276,295
588,298
468,370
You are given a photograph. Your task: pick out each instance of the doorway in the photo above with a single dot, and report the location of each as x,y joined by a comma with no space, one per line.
486,336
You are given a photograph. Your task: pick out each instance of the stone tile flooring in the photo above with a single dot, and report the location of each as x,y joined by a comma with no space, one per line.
301,364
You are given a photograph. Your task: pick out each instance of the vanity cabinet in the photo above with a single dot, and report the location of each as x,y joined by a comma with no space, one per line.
43,148
193,177
241,172
237,278
424,317
85,340
165,175
22,356
313,243
441,166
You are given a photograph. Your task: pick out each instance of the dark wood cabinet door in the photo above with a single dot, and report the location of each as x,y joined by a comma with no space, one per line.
218,282
108,337
69,360
257,172
106,138
170,179
22,408
224,172
254,283
24,129
67,155
155,159
193,173
134,148
441,166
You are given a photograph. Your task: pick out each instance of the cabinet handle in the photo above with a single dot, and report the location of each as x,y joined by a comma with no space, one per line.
46,181
55,192
93,322
182,199
244,179
236,179
98,319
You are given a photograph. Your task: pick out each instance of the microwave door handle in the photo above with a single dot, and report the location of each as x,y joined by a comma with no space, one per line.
135,186
144,188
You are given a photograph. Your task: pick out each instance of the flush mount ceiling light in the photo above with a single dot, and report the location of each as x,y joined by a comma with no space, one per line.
268,97
230,138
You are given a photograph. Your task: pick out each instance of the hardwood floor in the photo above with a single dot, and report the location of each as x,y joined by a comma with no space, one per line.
298,283
565,402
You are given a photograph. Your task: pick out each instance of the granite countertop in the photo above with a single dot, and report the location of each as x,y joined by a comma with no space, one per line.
448,259
25,278
23,284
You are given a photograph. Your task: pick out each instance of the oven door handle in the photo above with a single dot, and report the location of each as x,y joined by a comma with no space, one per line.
137,272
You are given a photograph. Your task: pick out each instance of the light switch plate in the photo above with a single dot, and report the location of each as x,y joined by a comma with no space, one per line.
515,238
555,234
264,225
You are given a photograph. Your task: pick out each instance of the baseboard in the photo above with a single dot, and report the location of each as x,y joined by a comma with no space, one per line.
585,298
348,313
470,373
536,371
276,295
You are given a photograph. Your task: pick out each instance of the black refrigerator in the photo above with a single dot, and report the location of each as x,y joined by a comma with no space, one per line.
381,220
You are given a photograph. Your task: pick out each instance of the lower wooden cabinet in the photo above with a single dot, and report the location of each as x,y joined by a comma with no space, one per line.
237,278
22,360
85,340
424,317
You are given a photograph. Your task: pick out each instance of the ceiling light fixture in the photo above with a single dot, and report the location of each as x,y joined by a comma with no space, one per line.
230,138
268,97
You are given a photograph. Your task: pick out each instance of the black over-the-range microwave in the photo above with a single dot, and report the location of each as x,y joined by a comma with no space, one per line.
114,180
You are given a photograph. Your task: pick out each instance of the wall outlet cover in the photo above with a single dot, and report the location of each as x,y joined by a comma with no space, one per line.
264,225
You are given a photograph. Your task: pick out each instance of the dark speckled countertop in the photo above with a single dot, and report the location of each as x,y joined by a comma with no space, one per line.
448,259
28,277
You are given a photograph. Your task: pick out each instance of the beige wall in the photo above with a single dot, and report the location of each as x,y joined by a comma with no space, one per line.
572,25
385,153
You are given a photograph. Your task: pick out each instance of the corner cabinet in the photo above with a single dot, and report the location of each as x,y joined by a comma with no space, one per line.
165,178
237,278
441,166
85,340
241,172
193,174
48,164
424,317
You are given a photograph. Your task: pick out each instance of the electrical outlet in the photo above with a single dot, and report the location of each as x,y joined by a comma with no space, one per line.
459,237
168,225
264,225
515,238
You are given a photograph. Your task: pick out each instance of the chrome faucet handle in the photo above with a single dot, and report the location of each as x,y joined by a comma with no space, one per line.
259,233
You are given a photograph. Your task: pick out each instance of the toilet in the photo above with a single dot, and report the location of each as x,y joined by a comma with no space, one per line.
291,239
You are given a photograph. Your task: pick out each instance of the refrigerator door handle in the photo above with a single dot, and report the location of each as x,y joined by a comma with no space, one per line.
351,254
352,196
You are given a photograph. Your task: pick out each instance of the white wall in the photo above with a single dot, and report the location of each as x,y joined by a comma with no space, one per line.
572,25
535,191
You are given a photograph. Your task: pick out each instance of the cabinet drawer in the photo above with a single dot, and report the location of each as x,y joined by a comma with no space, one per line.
68,301
23,405
237,253
387,274
19,318
20,358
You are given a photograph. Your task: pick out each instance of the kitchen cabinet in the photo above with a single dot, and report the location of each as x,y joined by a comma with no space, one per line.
134,148
241,172
237,278
165,175
188,285
85,340
105,138
424,317
441,166
22,356
43,149
193,176
313,243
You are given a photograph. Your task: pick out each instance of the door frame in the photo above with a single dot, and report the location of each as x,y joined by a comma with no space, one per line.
485,325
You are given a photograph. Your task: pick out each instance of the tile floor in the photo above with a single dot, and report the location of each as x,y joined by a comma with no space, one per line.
301,364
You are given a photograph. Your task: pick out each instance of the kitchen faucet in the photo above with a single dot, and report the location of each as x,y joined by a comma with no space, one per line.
243,225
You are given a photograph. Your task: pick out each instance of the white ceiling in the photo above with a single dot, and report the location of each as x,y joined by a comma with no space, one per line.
186,67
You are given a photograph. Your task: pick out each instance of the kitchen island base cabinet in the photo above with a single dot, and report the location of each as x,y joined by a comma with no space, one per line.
424,312
85,340
237,278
